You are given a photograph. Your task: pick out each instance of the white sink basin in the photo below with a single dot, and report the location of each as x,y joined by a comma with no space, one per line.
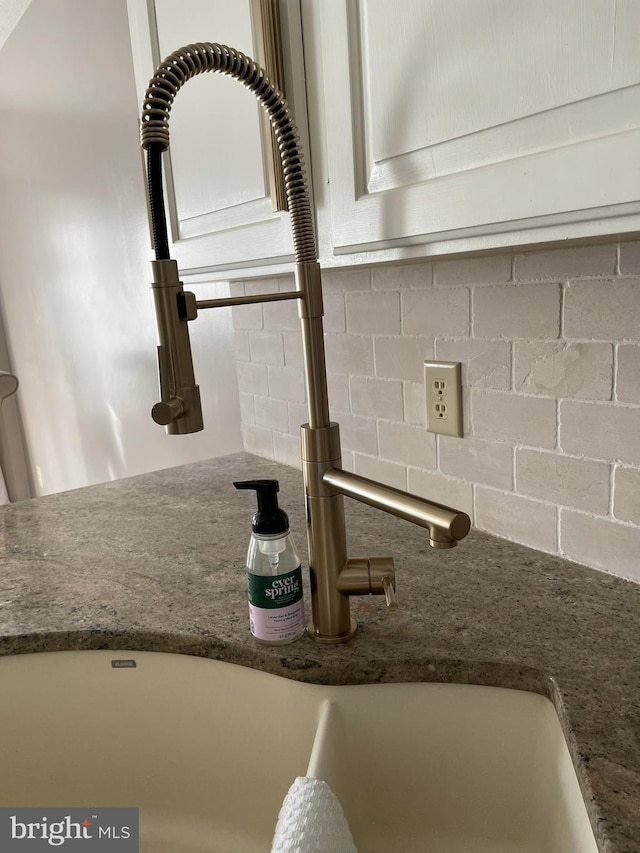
207,751
446,768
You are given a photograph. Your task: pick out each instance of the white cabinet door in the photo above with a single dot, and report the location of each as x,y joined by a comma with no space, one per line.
474,124
218,195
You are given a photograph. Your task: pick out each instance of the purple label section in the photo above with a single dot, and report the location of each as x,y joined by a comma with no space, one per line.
285,623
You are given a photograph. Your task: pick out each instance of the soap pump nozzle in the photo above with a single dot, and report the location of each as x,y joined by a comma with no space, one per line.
269,521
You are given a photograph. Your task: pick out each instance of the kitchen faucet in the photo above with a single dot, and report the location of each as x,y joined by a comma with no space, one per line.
334,577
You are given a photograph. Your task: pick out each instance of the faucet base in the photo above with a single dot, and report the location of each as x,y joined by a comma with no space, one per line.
332,639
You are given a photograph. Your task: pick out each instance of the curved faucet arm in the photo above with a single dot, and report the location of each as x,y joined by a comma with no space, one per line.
194,59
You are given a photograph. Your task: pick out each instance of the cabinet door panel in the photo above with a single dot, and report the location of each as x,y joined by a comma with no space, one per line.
480,117
210,112
218,195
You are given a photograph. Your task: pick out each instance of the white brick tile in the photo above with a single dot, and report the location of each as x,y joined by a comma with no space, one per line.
566,263
431,312
414,412
601,543
467,430
266,347
252,378
630,258
348,354
236,288
260,286
286,383
348,460
358,434
281,316
286,450
566,480
559,369
513,517
271,414
286,282
514,418
247,413
477,461
626,503
407,444
389,473
402,276
373,313
444,490
342,281
494,270
335,318
375,373
257,440
338,386
517,311
600,431
603,310
628,374
485,364
241,345
298,415
247,316
378,398
293,356
402,357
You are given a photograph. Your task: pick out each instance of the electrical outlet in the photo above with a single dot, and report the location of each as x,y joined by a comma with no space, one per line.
443,397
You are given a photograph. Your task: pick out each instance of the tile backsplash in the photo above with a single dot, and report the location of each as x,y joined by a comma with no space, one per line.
550,348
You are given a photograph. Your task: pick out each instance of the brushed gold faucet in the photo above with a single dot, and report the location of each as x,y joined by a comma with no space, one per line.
334,577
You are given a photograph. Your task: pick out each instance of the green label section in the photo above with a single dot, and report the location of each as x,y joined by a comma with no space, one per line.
274,591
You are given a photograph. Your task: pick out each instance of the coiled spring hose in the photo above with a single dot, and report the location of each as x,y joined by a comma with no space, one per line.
173,73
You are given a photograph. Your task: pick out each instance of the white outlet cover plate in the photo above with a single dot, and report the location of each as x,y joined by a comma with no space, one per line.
443,397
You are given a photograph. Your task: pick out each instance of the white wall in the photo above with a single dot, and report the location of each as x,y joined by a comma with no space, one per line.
550,348
74,252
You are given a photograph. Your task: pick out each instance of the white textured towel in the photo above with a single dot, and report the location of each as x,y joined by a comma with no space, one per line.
311,820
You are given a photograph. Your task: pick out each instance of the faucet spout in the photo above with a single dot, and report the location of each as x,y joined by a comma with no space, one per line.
446,526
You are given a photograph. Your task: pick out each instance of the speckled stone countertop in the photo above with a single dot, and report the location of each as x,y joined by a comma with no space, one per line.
156,563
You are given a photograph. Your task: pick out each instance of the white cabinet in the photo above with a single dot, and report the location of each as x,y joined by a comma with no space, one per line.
217,186
437,127
443,127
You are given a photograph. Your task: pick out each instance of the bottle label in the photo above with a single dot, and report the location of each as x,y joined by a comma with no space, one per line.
276,608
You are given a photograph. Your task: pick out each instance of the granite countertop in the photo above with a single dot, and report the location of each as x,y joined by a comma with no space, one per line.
156,563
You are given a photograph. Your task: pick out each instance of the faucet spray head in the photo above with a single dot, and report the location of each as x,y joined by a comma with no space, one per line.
180,409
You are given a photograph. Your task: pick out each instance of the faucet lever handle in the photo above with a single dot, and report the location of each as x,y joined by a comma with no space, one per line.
382,579
388,587
369,576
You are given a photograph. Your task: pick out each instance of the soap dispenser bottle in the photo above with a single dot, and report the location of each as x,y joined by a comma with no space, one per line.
274,573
